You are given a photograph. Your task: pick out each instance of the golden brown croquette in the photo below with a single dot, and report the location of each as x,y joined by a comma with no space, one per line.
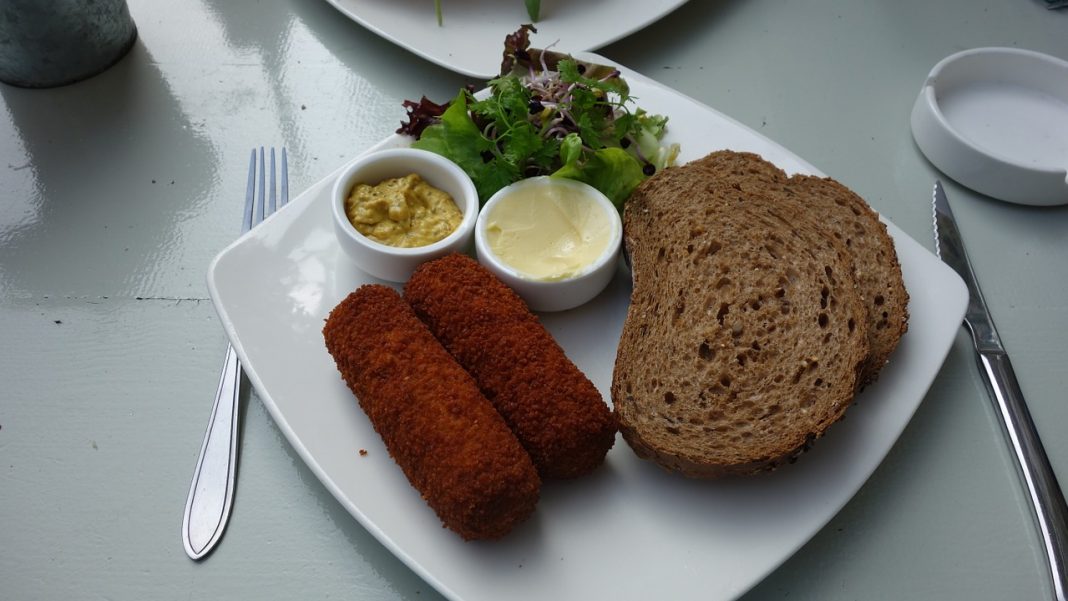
455,449
554,409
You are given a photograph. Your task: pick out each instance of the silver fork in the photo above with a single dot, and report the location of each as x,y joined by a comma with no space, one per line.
211,493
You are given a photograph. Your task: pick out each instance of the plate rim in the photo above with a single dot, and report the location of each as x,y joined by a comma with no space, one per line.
347,8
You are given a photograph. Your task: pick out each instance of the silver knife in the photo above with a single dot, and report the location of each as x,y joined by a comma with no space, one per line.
1047,500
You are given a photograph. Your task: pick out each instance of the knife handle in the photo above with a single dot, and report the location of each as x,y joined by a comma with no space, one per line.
1047,500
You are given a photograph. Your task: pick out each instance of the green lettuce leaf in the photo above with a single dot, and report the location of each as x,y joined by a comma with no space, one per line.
459,139
533,9
648,130
612,170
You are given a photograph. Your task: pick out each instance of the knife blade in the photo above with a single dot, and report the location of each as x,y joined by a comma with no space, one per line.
1047,499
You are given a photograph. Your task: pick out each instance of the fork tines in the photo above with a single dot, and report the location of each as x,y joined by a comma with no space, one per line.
257,207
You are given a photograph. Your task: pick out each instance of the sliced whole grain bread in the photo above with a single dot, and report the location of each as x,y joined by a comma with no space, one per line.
745,336
847,217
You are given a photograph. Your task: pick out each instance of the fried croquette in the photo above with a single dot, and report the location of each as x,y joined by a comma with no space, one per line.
452,445
554,409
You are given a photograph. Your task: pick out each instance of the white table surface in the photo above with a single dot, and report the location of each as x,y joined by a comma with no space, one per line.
117,191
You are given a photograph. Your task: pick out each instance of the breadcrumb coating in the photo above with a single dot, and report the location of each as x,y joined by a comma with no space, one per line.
452,445
553,408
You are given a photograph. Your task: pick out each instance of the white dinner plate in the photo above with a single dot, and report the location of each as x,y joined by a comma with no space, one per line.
628,531
471,37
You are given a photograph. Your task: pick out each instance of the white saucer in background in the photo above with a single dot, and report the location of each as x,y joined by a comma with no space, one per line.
996,120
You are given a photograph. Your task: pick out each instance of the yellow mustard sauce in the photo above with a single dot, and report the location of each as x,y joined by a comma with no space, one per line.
403,212
548,233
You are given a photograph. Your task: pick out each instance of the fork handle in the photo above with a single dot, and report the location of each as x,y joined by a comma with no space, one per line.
211,493
1047,501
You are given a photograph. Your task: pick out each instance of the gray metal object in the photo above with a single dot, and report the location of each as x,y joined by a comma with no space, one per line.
1047,500
211,493
47,43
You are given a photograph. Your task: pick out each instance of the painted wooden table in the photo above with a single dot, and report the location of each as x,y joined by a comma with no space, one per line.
116,192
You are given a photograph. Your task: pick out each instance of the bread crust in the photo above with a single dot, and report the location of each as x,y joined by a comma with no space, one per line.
746,336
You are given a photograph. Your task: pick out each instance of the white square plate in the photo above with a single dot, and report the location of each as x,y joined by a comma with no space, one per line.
630,530
471,36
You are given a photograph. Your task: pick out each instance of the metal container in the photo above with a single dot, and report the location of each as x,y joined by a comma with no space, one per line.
47,43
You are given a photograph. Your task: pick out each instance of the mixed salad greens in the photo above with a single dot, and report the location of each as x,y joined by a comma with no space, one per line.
546,114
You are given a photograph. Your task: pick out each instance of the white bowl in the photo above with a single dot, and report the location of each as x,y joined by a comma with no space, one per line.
561,294
389,262
996,120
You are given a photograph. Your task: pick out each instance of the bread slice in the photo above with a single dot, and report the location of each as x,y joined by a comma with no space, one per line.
847,217
745,335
